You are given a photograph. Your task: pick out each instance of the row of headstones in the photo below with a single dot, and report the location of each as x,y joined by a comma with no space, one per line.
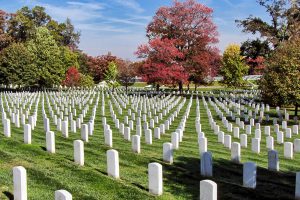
252,120
267,129
156,119
32,120
235,147
258,109
156,107
255,147
67,111
176,137
20,118
63,125
249,168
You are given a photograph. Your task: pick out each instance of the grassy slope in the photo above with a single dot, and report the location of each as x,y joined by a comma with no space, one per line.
47,173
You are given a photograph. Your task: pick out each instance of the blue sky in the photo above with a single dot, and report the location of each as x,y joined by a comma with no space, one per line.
119,26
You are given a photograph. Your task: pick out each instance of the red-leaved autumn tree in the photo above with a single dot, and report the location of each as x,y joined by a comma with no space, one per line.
257,65
188,28
72,77
161,65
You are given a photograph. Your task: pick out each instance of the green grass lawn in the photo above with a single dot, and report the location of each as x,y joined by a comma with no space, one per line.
49,172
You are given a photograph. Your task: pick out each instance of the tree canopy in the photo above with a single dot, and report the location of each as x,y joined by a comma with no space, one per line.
185,34
280,84
233,66
284,25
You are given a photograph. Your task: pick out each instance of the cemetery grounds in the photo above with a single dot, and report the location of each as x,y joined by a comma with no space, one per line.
48,172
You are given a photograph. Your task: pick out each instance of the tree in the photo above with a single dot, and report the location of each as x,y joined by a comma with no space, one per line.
280,84
255,48
233,66
16,66
255,52
86,81
160,66
285,19
47,58
98,65
22,25
70,38
110,75
188,27
127,73
72,77
5,39
68,57
83,60
210,62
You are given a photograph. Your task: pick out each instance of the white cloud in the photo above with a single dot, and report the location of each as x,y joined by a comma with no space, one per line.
76,11
124,21
96,27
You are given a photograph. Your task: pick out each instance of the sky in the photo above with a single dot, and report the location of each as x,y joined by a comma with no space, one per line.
119,26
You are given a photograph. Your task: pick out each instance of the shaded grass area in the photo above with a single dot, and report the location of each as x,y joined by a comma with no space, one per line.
49,172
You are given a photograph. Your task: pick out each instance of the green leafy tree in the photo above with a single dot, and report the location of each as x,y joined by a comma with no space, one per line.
83,60
255,48
70,36
255,52
280,84
110,75
233,66
21,26
86,81
68,57
47,58
16,66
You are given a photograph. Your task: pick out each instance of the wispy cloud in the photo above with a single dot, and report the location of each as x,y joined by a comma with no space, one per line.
96,27
77,11
125,21
131,4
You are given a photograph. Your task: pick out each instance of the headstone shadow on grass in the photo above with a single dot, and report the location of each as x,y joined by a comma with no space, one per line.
229,178
9,195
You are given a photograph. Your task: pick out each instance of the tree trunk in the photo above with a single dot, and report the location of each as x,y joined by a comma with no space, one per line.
195,87
296,110
157,87
188,87
126,86
180,87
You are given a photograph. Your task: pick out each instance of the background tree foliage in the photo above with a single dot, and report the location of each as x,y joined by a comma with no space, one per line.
40,48
17,66
280,84
233,66
255,52
47,58
185,30
86,81
126,73
110,75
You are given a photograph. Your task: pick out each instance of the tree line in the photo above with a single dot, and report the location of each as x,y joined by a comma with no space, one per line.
37,51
